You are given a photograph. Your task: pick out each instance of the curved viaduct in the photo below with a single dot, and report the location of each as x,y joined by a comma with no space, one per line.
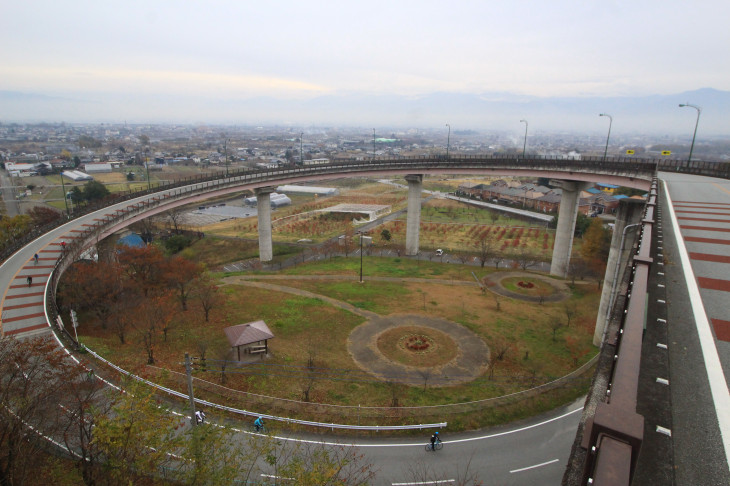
30,309
573,175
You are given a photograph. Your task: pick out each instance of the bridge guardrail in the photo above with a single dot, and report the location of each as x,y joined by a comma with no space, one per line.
614,434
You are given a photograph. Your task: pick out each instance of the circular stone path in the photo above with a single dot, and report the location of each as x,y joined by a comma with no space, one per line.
561,289
470,362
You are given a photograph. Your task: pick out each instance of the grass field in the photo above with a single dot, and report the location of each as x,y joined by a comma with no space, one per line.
311,328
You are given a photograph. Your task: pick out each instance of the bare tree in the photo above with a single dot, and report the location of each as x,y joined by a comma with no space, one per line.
570,309
207,293
202,347
310,375
425,373
422,472
463,257
175,217
486,250
524,258
395,393
224,355
555,324
490,285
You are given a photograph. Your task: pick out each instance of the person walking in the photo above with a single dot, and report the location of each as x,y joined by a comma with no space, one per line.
29,280
35,257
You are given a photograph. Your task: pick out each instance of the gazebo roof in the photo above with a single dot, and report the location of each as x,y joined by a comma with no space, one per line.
248,333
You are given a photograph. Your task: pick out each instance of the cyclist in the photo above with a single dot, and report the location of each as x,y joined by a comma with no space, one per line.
434,439
35,257
258,424
29,280
199,417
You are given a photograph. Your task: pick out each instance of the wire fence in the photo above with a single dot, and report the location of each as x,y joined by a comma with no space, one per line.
383,415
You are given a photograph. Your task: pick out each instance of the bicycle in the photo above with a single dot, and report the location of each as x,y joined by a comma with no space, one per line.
259,430
438,445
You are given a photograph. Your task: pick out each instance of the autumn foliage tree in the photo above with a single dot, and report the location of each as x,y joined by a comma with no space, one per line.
207,294
42,215
596,244
34,375
181,274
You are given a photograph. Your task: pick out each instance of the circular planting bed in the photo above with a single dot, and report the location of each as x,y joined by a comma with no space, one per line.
528,286
417,346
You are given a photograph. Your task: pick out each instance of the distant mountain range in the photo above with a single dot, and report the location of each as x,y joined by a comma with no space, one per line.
656,114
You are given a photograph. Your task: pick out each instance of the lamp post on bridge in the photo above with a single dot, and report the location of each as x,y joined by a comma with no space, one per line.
691,148
225,154
610,122
373,143
65,197
448,141
301,145
524,145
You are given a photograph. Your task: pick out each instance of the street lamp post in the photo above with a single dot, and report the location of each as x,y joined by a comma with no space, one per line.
301,146
373,143
448,141
65,199
691,148
147,168
524,145
610,122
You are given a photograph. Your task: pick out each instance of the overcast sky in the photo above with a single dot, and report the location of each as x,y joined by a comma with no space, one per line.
236,50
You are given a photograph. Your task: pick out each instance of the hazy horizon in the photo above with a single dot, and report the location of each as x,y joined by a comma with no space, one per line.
471,64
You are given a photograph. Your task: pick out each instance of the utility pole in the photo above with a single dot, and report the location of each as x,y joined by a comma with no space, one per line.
360,233
189,373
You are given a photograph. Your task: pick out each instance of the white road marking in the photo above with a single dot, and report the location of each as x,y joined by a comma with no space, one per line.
715,375
533,467
422,443
441,481
276,477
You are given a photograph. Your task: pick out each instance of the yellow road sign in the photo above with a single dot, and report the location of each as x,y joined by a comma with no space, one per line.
630,152
666,152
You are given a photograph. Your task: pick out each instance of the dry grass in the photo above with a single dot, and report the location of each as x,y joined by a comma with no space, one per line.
441,348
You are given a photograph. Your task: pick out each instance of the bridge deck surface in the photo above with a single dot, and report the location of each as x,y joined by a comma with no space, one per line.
694,249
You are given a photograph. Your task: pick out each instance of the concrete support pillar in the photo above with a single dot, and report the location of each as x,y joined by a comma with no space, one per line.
413,221
629,213
566,226
263,206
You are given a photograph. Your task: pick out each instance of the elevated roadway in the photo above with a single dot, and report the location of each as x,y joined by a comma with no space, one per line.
24,312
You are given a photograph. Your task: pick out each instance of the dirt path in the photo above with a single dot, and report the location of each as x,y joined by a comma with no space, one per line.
471,360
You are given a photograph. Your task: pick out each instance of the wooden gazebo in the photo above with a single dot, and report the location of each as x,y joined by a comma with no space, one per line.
250,336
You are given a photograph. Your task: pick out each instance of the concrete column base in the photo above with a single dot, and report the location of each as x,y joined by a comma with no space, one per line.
567,215
413,221
629,212
263,205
